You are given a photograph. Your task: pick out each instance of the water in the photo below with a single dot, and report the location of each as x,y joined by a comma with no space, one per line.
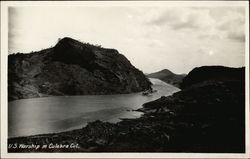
62,113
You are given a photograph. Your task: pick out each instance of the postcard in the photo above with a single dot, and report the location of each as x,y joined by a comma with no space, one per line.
125,79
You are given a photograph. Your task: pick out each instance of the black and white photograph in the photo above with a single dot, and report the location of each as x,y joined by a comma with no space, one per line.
125,77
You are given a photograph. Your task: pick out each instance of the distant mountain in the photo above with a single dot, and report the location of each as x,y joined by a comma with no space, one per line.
72,68
168,77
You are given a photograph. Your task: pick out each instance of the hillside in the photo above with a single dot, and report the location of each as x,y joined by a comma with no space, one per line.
207,117
212,73
168,77
72,68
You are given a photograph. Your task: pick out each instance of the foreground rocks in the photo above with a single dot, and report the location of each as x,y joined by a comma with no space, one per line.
72,68
207,116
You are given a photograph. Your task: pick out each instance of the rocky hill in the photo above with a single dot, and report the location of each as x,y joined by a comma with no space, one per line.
212,73
168,77
72,68
206,117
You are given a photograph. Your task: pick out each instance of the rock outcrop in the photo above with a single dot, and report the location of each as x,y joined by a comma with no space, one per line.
207,117
168,77
213,73
72,68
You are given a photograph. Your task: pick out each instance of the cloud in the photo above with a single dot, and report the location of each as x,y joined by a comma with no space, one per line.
233,25
238,36
177,38
155,43
184,18
205,22
205,51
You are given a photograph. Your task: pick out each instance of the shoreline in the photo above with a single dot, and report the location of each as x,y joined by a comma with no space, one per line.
76,129
206,117
81,115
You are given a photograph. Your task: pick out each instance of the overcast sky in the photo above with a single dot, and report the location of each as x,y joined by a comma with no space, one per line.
152,38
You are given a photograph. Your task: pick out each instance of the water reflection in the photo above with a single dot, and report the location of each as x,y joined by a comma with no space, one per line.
55,114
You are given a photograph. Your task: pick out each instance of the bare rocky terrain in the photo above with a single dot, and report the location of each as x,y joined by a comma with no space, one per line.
72,68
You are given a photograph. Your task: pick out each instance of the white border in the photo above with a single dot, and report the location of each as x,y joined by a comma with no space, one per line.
4,100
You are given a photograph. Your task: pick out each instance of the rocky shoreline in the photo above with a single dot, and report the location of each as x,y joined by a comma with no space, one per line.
206,116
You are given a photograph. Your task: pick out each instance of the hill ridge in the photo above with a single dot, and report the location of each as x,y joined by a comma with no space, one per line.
72,68
168,77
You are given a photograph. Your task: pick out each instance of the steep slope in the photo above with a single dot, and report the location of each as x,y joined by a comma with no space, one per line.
168,77
72,68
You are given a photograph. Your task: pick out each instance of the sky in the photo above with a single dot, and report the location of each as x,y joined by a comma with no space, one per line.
152,38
